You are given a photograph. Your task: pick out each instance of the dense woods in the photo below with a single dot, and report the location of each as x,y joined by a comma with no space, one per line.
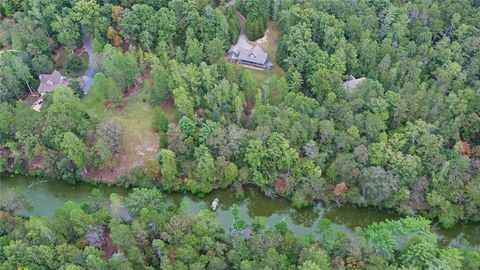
407,138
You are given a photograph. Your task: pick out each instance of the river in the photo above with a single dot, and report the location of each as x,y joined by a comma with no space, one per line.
46,197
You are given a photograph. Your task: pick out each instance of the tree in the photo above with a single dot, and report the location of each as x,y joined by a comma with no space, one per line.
22,70
254,154
142,198
378,184
122,237
194,50
66,28
205,170
420,251
86,13
71,221
73,64
111,132
171,179
74,149
187,126
42,64
214,50
13,202
108,87
103,151
95,236
183,103
159,121
64,114
162,84
121,67
139,24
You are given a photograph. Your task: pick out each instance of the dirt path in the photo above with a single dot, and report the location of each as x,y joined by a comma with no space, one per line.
58,53
108,248
135,88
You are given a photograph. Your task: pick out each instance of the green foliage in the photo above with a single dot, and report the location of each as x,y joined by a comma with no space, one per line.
137,177
162,83
256,26
121,67
171,179
183,104
73,148
159,121
187,126
73,64
205,170
108,87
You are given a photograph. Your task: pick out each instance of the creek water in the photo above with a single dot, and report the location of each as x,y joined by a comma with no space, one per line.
47,196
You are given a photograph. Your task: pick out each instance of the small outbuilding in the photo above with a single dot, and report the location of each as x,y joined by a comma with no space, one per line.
352,83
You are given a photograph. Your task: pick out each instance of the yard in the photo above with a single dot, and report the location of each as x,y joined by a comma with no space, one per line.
269,43
135,116
61,55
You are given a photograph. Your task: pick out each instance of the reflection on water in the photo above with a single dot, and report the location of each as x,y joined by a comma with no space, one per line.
48,196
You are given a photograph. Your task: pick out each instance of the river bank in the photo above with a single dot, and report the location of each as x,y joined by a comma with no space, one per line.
47,195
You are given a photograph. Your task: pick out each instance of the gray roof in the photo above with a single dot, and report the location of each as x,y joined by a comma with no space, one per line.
352,83
49,82
245,52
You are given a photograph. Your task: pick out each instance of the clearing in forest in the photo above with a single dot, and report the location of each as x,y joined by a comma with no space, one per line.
140,141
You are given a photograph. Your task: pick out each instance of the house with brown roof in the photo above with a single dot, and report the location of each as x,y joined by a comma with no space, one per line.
352,83
246,54
49,82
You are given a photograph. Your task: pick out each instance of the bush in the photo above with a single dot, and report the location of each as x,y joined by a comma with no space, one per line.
73,64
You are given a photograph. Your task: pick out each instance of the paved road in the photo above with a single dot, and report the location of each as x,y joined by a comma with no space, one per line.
92,61
243,25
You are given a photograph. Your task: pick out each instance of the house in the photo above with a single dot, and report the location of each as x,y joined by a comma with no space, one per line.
352,83
246,54
49,82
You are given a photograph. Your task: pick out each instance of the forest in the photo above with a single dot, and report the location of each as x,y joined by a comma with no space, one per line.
406,139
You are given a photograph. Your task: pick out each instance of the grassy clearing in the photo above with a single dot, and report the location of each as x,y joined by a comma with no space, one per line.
135,116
